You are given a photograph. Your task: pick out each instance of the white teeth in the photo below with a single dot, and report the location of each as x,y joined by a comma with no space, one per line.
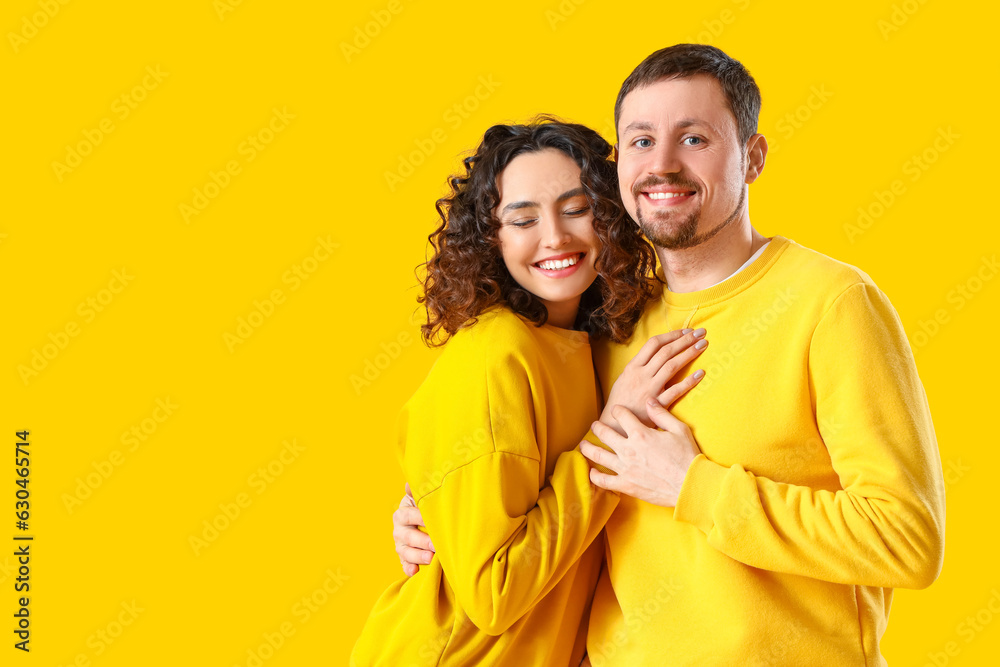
555,265
664,195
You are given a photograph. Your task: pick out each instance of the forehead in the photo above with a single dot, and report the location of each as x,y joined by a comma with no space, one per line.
669,101
539,176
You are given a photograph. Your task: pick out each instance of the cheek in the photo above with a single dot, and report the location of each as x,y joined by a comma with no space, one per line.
594,241
592,237
511,251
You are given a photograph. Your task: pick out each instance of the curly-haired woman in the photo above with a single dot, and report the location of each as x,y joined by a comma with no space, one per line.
534,258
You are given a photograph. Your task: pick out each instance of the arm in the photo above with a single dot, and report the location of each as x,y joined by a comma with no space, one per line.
886,526
646,375
504,545
473,461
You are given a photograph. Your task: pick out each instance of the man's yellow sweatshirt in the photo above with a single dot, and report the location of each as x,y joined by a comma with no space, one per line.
819,489
489,447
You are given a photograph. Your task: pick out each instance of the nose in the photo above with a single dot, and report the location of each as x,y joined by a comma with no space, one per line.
556,233
664,159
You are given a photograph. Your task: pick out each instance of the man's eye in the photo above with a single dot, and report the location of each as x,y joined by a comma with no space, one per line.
697,140
642,143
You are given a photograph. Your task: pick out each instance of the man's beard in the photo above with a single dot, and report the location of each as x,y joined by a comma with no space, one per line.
686,231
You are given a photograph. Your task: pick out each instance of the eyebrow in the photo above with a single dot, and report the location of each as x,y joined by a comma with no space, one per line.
569,194
645,126
637,125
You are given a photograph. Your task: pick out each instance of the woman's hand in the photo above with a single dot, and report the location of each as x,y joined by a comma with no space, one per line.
649,463
647,375
413,546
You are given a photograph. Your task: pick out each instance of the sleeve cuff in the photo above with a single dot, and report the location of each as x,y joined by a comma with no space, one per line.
593,439
699,493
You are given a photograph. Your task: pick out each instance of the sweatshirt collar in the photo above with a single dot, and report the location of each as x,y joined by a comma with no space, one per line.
743,278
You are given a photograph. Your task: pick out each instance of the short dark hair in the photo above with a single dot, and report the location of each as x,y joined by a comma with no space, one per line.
684,60
466,274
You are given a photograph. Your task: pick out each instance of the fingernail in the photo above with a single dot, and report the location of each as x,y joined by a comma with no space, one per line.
698,333
686,331
427,559
431,545
698,374
700,345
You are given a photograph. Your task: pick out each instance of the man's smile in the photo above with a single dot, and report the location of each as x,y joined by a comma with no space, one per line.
669,197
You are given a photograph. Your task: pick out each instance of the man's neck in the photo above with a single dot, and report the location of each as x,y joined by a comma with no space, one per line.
712,261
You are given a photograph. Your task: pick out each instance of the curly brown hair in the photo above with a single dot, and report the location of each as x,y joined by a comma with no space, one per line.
466,274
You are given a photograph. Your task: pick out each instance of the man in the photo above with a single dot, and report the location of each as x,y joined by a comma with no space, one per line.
818,487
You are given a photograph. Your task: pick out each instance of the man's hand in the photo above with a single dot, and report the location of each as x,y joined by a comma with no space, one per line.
651,464
413,546
647,374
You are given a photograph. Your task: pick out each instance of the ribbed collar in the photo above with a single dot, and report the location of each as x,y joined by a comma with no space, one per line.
733,284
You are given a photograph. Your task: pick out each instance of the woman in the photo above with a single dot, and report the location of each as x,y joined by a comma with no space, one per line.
534,256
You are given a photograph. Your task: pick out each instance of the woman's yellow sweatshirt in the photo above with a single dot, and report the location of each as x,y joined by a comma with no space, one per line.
489,447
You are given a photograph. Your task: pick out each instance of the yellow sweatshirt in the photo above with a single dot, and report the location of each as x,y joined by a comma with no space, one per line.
819,489
489,447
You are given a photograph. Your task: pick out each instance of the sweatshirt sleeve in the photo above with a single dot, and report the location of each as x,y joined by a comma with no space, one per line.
503,542
885,527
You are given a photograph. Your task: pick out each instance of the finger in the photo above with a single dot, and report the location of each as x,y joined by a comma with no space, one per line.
409,495
675,347
610,436
407,516
650,347
410,536
628,420
405,536
675,391
415,556
598,455
662,417
605,481
669,369
409,569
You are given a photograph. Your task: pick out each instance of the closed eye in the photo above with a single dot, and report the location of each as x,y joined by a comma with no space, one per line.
522,223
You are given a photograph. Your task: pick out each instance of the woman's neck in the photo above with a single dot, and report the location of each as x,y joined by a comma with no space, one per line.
563,314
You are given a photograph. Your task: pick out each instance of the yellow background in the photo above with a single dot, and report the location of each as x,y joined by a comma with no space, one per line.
865,95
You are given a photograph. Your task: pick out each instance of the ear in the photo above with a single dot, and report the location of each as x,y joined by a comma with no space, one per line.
614,153
756,156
